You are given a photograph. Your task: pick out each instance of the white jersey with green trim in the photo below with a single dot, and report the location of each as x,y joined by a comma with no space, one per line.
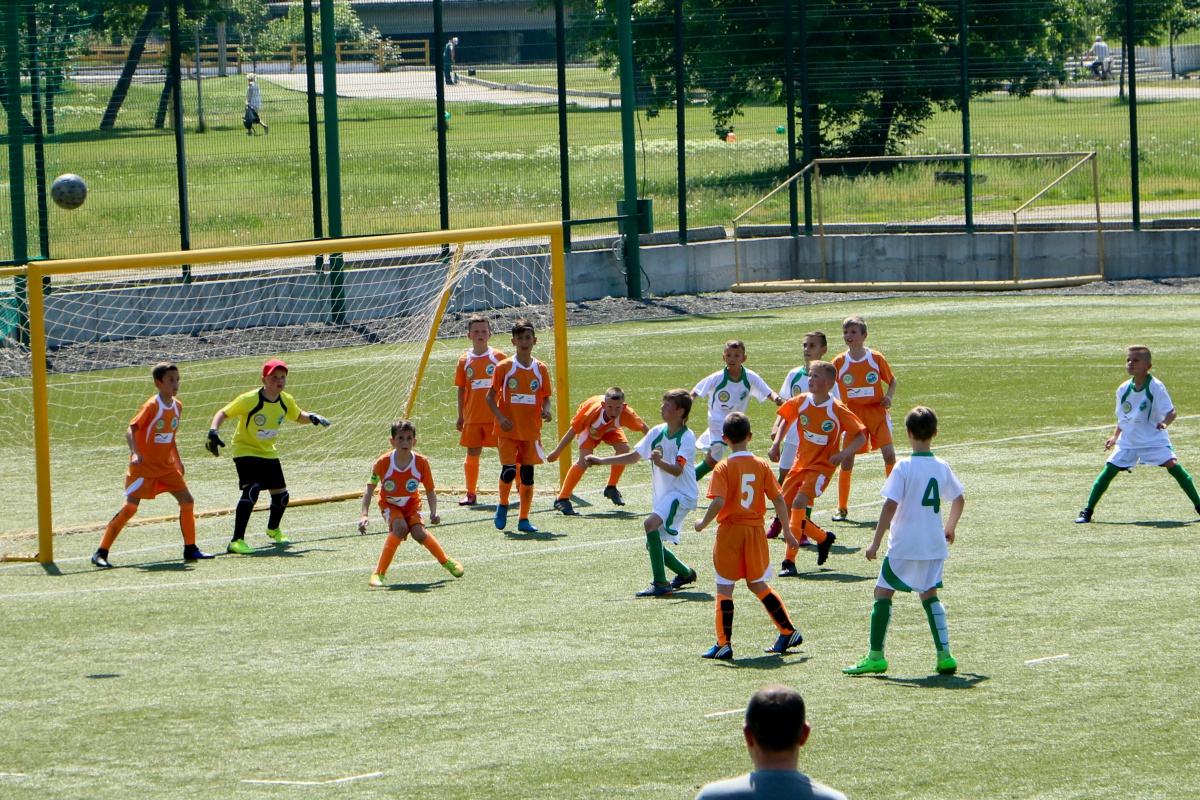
921,484
725,395
1140,410
680,450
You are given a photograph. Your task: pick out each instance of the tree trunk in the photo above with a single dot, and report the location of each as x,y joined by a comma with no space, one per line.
160,116
1171,45
222,44
153,14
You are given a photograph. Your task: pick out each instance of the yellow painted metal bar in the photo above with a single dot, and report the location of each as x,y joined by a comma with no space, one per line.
41,413
451,280
562,382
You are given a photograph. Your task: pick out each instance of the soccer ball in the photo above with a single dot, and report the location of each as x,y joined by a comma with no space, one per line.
68,191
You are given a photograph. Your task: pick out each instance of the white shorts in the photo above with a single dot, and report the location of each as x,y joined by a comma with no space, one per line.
787,454
712,444
911,574
1129,457
672,510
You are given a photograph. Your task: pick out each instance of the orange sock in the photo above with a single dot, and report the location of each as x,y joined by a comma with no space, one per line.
116,524
773,603
471,471
187,522
526,495
389,552
435,549
724,620
614,473
572,480
887,468
844,488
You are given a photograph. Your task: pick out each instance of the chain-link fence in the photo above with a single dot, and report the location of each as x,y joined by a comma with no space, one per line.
457,114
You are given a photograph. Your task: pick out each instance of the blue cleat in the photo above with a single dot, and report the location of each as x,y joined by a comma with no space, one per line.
785,642
525,526
721,652
501,517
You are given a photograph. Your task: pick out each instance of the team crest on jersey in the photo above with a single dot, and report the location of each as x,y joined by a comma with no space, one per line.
827,426
804,420
489,370
174,423
723,396
282,417
260,419
848,379
470,372
1142,407
512,383
1126,407
872,378
534,384
160,424
389,486
411,484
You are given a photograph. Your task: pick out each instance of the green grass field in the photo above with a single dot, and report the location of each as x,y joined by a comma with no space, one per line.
539,675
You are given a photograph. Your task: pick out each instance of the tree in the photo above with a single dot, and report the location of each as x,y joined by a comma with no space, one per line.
1185,16
285,31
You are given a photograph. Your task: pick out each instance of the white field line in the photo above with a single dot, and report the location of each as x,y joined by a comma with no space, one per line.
13,775
1047,658
725,713
316,783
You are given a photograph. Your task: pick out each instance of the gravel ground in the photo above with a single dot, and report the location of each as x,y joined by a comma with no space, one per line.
273,341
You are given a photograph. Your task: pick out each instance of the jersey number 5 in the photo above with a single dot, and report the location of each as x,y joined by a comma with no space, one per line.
932,497
747,497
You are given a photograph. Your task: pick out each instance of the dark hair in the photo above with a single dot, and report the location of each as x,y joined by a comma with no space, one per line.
738,343
680,398
614,393
401,425
856,320
475,320
921,423
522,325
819,335
775,716
161,369
736,427
1138,348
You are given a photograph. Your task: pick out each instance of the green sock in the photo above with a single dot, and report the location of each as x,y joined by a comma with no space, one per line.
936,613
654,545
674,564
703,469
1185,482
881,615
1101,485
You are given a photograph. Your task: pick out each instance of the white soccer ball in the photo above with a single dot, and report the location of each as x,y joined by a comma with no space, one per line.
68,191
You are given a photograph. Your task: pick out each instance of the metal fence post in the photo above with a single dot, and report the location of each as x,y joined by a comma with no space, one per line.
633,261
185,228
1130,62
314,135
680,125
440,85
39,143
790,85
965,102
806,123
333,164
16,164
564,154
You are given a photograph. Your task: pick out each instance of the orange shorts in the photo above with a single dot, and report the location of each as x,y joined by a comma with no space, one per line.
520,451
878,423
145,487
584,441
478,434
809,482
412,517
740,553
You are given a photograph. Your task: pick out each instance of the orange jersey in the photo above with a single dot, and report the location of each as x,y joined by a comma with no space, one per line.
590,418
820,428
746,482
520,392
398,485
155,426
474,377
862,381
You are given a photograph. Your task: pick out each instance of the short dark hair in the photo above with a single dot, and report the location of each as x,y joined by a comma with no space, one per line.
775,715
680,398
476,320
736,428
921,422
738,343
856,320
161,369
818,335
401,425
522,325
614,393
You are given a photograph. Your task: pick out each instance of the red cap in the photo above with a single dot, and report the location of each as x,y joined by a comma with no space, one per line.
273,365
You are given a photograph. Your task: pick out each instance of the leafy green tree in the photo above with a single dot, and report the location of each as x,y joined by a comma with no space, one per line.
289,30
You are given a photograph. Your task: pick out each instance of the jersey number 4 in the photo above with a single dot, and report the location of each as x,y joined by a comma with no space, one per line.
932,497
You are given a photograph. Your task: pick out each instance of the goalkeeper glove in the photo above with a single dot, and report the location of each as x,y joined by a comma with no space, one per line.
317,419
214,443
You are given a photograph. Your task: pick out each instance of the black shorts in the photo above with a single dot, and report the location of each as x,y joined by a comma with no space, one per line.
266,472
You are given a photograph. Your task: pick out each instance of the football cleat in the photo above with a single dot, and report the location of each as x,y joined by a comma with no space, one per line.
563,504
823,548
947,665
775,529
455,568
656,590
525,526
193,553
785,642
866,666
277,535
239,547
101,561
804,540
788,570
501,516
1086,515
614,494
721,652
841,516
680,581
375,580
468,499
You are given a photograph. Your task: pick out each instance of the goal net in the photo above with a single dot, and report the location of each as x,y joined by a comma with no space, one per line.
370,335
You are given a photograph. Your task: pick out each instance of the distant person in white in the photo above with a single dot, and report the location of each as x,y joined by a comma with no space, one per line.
775,730
1099,56
254,106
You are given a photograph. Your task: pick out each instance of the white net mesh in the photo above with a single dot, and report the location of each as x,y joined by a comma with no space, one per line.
352,358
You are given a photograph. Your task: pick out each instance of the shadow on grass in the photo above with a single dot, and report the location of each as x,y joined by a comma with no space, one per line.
692,597
836,577
851,523
103,675
537,536
418,588
1159,523
766,661
959,680
166,566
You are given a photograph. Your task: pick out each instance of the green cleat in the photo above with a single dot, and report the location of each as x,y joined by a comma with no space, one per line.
867,665
947,665
455,568
239,547
277,535
375,580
